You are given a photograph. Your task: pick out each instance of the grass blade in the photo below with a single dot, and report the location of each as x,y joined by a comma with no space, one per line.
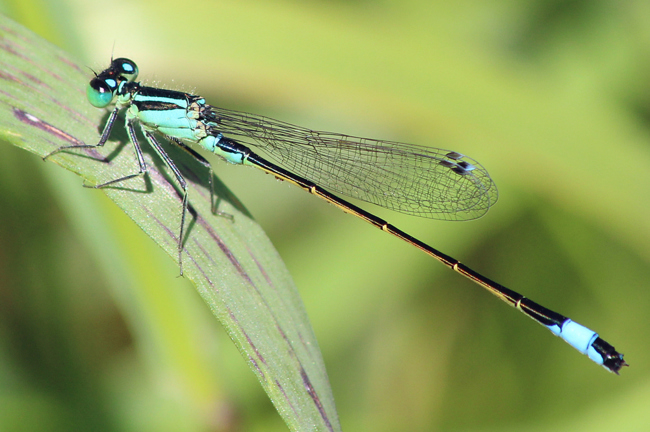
232,263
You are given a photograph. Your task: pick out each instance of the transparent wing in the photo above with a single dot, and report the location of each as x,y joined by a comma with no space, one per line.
411,179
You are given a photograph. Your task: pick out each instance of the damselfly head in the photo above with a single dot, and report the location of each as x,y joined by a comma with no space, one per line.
102,89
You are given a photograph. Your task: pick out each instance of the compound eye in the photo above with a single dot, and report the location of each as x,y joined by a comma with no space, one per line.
126,68
100,92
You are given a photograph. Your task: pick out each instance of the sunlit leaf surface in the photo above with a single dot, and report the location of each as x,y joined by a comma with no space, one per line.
230,260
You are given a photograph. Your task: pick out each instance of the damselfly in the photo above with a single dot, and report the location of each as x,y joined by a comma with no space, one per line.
415,180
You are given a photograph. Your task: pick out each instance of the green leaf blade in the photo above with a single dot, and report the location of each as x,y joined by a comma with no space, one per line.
230,260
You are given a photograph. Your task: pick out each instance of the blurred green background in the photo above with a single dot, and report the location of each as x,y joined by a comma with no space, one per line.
97,332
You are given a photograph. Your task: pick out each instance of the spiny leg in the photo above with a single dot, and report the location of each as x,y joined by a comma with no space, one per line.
200,159
138,152
181,180
102,140
108,127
